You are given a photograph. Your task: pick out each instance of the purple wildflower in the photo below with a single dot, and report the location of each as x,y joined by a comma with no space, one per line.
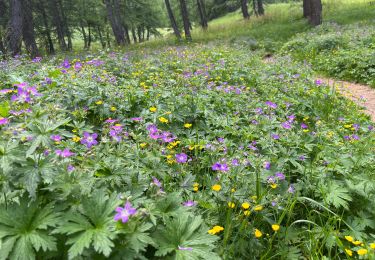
136,119
286,125
259,110
64,153
70,168
280,176
56,138
220,140
4,120
275,136
156,182
78,66
267,165
65,64
89,140
235,162
291,189
220,167
181,158
189,203
318,82
124,213
271,104
304,126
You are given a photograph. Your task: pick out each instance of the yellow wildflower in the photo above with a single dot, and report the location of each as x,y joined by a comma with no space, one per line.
113,109
356,243
246,212
372,245
349,238
195,189
99,102
275,227
74,130
348,126
273,185
348,252
258,233
231,205
215,230
76,139
163,120
362,251
216,187
245,205
188,125
143,145
233,190
153,109
258,208
168,112
254,198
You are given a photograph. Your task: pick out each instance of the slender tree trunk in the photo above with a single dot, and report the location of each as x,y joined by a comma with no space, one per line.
14,34
84,35
260,7
148,33
255,9
66,26
139,33
134,35
47,31
108,38
172,20
102,42
28,29
127,36
245,11
185,19
306,8
2,30
57,21
316,12
202,14
90,38
117,28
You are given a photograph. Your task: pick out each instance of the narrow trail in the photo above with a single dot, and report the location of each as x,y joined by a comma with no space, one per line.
362,95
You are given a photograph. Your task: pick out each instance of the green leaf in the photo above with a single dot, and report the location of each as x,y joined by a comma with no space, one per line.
338,196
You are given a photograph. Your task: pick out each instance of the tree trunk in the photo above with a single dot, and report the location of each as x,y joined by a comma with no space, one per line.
28,29
102,42
316,12
185,19
85,45
127,36
139,33
313,11
47,31
260,7
90,38
117,28
148,33
57,21
202,14
172,20
66,26
255,9
14,34
134,35
245,12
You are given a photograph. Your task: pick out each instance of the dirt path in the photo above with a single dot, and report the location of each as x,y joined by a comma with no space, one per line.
361,94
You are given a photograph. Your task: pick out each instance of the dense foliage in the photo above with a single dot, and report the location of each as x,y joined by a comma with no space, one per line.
197,152
345,52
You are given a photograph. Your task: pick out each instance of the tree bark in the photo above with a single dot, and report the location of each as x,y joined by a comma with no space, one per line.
316,12
47,32
260,7
85,45
245,12
14,34
28,29
202,14
117,28
65,25
185,19
134,35
57,22
306,8
102,42
172,20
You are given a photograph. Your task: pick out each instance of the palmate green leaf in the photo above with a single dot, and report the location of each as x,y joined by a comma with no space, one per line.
185,231
23,229
91,226
338,196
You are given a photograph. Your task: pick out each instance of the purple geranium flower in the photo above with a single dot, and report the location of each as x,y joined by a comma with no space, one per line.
291,189
304,126
89,140
267,165
70,168
156,182
4,120
189,203
64,153
271,104
286,125
78,66
65,64
280,176
181,158
124,213
235,162
56,138
275,136
220,167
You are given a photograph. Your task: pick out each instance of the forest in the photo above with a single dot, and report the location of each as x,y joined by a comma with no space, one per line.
187,129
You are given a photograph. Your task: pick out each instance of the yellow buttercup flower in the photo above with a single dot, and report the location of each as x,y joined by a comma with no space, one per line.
163,120
231,205
143,145
245,205
215,230
349,238
273,185
195,189
275,227
372,245
153,109
113,109
76,139
362,251
188,125
99,102
233,190
356,243
258,233
246,212
348,252
258,208
216,187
